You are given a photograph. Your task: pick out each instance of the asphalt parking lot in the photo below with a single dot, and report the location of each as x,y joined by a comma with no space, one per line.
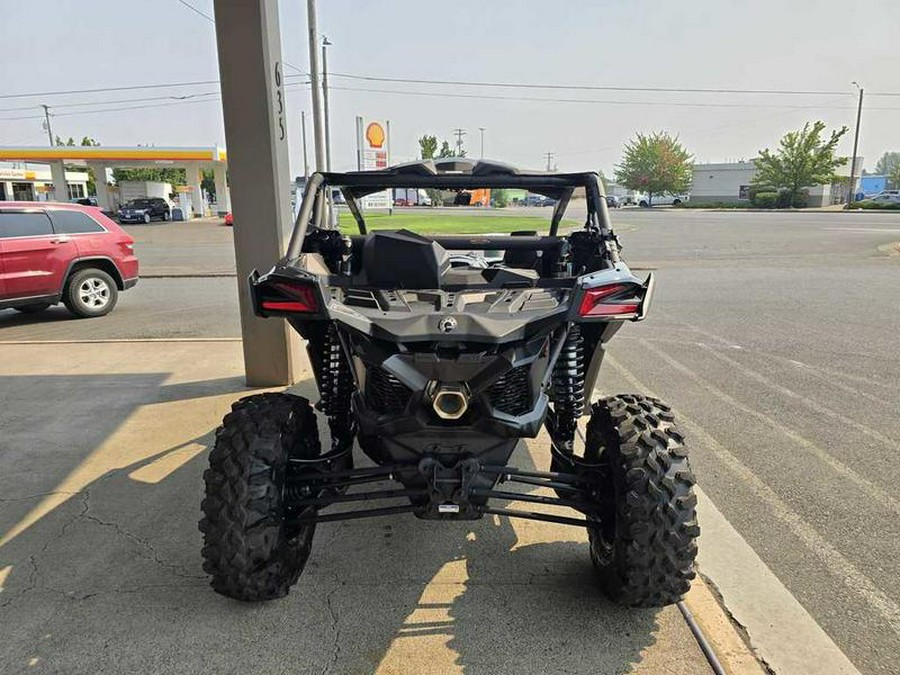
775,336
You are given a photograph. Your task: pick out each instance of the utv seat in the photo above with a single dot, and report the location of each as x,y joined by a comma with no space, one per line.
403,259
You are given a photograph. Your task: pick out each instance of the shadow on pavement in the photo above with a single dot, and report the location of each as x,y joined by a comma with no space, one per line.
110,580
10,318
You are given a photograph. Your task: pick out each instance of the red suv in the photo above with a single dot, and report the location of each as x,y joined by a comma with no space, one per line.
54,252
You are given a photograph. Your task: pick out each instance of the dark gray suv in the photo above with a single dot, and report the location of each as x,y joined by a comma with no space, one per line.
144,210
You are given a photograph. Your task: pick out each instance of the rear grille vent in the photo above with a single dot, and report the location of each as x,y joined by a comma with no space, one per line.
360,298
385,393
539,300
511,394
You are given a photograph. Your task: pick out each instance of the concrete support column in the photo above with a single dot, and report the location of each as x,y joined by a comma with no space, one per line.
223,204
253,104
103,196
58,173
198,206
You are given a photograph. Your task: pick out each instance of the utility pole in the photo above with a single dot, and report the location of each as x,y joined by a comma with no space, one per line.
314,82
303,132
47,123
549,156
459,142
481,131
326,43
850,194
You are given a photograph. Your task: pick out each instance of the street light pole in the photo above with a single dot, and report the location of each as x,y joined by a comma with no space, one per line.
481,131
326,43
314,82
850,194
47,123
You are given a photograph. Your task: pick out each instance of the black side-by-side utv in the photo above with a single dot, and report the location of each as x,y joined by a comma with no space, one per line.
437,360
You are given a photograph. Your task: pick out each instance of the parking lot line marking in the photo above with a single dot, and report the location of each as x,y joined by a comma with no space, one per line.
845,570
809,403
821,372
864,484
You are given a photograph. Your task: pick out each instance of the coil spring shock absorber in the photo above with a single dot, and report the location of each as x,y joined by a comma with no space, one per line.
336,387
568,389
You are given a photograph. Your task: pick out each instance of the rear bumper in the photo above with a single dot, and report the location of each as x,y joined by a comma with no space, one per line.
130,283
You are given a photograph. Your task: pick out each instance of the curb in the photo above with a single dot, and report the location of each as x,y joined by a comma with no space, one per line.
728,644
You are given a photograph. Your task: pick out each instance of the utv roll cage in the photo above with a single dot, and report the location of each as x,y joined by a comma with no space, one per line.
456,174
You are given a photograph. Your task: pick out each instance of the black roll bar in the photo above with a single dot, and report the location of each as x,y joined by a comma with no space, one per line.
300,224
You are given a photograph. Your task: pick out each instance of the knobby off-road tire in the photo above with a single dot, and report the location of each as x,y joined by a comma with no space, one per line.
644,550
248,549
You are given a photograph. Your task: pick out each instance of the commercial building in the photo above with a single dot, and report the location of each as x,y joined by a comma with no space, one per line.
30,183
101,159
729,182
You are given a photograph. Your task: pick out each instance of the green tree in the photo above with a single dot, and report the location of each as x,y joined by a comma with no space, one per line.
656,164
173,176
888,165
85,141
208,181
803,159
428,145
894,176
447,151
603,180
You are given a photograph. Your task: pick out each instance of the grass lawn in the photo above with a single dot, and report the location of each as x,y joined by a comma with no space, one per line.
440,223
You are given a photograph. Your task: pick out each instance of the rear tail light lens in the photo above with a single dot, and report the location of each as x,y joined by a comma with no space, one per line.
289,296
612,300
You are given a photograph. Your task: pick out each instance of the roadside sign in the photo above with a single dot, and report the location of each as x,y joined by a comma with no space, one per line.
373,153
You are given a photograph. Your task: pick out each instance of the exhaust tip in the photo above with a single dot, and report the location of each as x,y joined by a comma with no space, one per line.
450,401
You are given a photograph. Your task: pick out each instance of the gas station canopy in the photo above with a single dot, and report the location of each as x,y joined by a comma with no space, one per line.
101,158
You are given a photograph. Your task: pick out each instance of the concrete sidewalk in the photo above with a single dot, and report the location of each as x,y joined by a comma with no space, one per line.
100,476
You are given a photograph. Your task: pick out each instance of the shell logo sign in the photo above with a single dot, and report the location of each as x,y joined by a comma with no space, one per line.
375,135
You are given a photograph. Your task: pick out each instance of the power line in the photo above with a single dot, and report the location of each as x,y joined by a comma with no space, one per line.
99,90
135,87
194,9
190,98
181,101
583,87
539,99
508,85
115,101
213,21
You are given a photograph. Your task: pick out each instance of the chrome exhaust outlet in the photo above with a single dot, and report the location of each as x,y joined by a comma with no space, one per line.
450,401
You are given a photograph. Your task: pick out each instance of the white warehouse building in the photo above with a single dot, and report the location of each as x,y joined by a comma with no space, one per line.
730,182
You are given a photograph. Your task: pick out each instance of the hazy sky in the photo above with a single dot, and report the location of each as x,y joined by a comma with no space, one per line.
817,45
